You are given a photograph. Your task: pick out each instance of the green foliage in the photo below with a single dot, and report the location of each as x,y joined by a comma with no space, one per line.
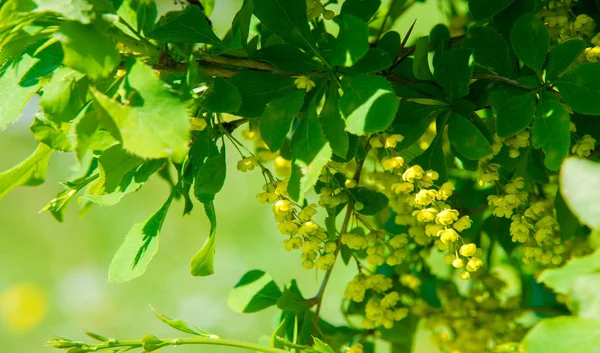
578,179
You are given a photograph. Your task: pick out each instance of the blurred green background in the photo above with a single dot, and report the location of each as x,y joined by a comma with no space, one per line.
53,276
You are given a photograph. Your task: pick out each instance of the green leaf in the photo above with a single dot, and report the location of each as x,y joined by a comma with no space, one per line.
55,138
489,49
255,291
187,26
440,34
30,172
81,10
210,178
567,221
259,88
390,42
433,157
322,347
352,42
412,120
551,131
292,300
421,61
453,72
180,325
482,9
363,9
368,105
157,129
288,58
58,205
277,118
90,131
138,248
332,123
87,49
580,88
14,95
203,263
467,139
580,187
310,150
563,334
373,201
562,279
287,18
562,56
515,114
374,61
223,97
530,41
240,26
403,335
62,96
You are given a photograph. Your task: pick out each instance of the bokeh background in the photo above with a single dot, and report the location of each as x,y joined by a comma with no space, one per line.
53,276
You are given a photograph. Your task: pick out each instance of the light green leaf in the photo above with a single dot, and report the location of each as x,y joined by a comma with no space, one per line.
237,37
530,41
210,178
322,347
13,95
292,300
580,88
259,88
255,291
157,129
467,139
62,98
489,49
55,138
561,279
580,187
30,172
287,18
87,49
90,131
180,325
80,10
453,72
332,123
515,114
421,60
482,9
187,26
203,263
352,42
223,97
563,334
58,205
368,104
562,56
277,118
138,248
551,132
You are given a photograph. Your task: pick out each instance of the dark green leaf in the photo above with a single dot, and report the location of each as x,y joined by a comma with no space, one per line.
240,26
507,17
373,201
402,335
567,221
223,97
467,139
259,88
530,41
277,118
255,291
412,120
332,123
489,49
30,172
374,61
580,187
562,56
363,9
439,34
187,26
292,300
87,49
433,157
210,178
369,104
390,43
352,42
138,248
482,9
515,114
55,138
580,88
421,61
453,72
288,58
551,132
203,263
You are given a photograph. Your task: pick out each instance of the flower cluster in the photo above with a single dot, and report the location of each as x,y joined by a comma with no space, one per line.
514,196
316,9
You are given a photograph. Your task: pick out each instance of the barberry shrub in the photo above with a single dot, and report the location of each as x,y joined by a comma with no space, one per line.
441,168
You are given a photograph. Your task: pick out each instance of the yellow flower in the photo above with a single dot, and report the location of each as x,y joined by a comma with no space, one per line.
447,217
325,262
355,348
412,173
429,177
292,244
355,290
474,264
402,187
584,147
398,241
350,183
465,275
247,164
433,229
425,215
458,263
468,250
391,163
267,197
425,197
445,191
307,213
308,228
288,227
303,82
448,235
393,140
463,223
330,247
488,178
379,283
283,208
514,185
